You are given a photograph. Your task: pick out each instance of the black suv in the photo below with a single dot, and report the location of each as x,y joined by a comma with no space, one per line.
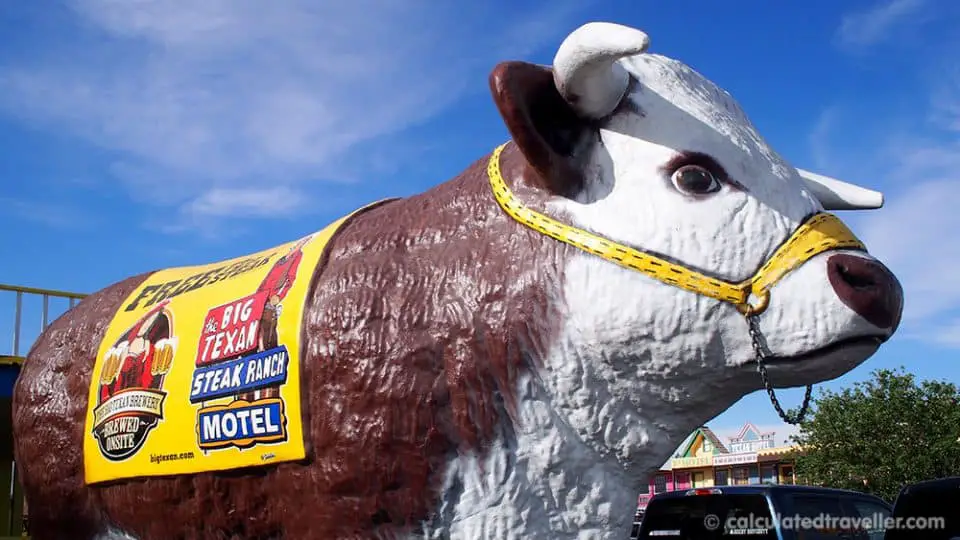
764,512
927,510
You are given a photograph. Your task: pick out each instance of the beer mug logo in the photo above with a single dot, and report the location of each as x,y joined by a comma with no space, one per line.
130,398
109,372
163,356
111,363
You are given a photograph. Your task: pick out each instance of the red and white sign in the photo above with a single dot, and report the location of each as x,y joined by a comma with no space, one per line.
231,329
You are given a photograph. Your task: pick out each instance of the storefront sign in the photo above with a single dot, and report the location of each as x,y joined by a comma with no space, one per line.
691,462
734,459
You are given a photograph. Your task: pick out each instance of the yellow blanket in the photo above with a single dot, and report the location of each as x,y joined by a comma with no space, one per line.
199,370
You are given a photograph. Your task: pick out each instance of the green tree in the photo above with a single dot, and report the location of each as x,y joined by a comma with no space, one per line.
881,434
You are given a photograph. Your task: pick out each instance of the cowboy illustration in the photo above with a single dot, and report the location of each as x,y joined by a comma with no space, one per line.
277,284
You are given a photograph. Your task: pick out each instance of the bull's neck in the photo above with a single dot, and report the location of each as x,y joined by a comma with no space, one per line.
536,480
541,478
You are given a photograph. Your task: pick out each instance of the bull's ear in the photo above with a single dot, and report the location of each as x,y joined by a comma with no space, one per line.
544,127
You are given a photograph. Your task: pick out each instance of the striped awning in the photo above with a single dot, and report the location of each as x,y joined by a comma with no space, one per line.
779,451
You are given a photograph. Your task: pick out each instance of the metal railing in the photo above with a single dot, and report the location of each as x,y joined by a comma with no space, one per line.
44,295
15,511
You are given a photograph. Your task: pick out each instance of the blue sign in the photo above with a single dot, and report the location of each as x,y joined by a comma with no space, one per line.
259,421
267,368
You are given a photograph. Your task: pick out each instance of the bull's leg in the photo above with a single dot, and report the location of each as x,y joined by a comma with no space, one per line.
114,534
49,410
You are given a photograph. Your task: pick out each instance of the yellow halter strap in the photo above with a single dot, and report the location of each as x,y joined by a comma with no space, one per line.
821,232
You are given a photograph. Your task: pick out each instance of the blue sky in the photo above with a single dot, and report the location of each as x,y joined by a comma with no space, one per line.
142,134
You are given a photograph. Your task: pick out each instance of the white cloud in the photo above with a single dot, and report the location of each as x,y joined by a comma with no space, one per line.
916,158
948,334
915,237
195,98
876,24
206,214
916,233
946,101
49,214
821,148
249,202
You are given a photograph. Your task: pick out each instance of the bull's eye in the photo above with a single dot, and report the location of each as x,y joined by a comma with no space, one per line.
694,180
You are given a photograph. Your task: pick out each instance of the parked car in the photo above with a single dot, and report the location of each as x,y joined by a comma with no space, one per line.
936,503
805,513
637,520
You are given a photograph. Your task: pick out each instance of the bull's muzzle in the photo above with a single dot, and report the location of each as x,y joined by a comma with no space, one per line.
868,288
864,285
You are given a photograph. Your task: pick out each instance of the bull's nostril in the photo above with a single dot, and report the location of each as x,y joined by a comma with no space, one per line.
857,280
867,287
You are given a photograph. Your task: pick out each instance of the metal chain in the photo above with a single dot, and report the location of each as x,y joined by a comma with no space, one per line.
756,337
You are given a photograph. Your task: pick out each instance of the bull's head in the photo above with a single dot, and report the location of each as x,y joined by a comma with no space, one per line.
643,151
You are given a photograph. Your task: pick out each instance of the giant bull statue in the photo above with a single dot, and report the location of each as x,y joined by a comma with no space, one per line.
511,353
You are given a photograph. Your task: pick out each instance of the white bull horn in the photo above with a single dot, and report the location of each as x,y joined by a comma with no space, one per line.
837,195
585,69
